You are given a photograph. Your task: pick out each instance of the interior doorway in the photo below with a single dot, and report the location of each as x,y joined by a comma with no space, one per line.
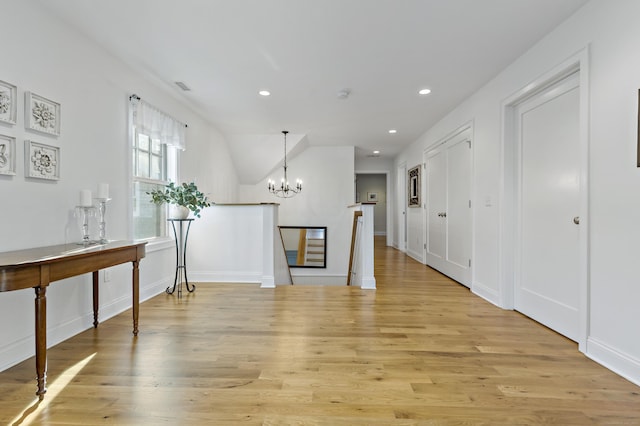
548,138
448,230
544,218
372,188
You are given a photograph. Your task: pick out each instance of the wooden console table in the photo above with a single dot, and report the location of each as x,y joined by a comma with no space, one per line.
36,268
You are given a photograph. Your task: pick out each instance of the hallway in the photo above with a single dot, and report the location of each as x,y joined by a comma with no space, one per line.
419,350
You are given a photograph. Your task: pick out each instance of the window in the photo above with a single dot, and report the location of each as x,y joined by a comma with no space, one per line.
149,173
154,163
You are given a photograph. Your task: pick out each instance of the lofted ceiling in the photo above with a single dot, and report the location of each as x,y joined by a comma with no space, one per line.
305,52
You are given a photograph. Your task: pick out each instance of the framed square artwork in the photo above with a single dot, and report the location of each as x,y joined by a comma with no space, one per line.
8,102
41,161
7,155
41,114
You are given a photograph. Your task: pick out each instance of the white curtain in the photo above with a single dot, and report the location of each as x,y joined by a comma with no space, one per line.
158,125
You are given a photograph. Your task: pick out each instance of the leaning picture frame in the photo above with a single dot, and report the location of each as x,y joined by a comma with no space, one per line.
8,102
413,181
7,155
41,114
41,161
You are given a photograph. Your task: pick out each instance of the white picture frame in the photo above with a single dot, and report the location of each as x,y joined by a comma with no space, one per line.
41,114
41,161
8,102
7,155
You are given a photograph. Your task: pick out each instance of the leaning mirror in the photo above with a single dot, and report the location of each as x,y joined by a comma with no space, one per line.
305,246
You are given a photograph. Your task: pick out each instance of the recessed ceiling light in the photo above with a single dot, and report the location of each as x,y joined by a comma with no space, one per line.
376,152
344,94
392,131
264,93
424,91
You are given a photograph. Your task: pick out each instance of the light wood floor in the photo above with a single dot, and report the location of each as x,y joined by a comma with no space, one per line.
419,350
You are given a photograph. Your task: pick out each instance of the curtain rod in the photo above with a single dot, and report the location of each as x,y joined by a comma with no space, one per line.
137,98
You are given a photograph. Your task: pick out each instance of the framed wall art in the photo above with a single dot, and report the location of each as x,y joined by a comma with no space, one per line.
414,186
41,114
41,161
8,102
7,155
372,197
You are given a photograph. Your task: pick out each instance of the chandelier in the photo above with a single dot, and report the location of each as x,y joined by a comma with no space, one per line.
284,190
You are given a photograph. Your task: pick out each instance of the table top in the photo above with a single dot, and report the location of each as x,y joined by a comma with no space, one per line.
41,255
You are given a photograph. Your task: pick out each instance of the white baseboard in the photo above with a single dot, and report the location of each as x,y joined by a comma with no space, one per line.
368,283
414,255
616,361
487,293
225,277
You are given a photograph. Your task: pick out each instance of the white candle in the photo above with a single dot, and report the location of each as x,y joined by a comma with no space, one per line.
103,190
85,198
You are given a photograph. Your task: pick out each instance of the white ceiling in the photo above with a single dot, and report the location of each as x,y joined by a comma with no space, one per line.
306,51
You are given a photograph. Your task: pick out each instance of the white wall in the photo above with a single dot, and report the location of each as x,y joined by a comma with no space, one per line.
610,32
227,244
43,56
328,174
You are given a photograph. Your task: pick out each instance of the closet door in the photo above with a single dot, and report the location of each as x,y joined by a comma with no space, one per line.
548,274
436,171
448,208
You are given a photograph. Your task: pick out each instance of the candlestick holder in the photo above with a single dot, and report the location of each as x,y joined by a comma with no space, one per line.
86,212
102,209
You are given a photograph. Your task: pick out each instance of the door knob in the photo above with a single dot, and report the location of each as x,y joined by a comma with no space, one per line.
444,214
576,220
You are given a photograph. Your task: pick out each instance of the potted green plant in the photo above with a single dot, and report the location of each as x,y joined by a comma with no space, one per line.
185,195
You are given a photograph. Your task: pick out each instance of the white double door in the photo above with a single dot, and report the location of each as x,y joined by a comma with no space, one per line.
448,207
547,284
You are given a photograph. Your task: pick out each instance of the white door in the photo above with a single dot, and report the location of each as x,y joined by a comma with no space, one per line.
548,262
448,208
436,177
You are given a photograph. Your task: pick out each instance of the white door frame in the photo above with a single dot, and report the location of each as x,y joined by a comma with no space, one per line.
401,202
509,193
390,196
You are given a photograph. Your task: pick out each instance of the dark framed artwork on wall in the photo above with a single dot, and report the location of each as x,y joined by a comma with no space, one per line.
414,186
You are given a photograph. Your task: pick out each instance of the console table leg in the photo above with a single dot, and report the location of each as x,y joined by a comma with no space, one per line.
41,340
96,295
136,296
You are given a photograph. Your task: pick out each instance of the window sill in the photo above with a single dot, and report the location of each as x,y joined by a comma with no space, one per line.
159,243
